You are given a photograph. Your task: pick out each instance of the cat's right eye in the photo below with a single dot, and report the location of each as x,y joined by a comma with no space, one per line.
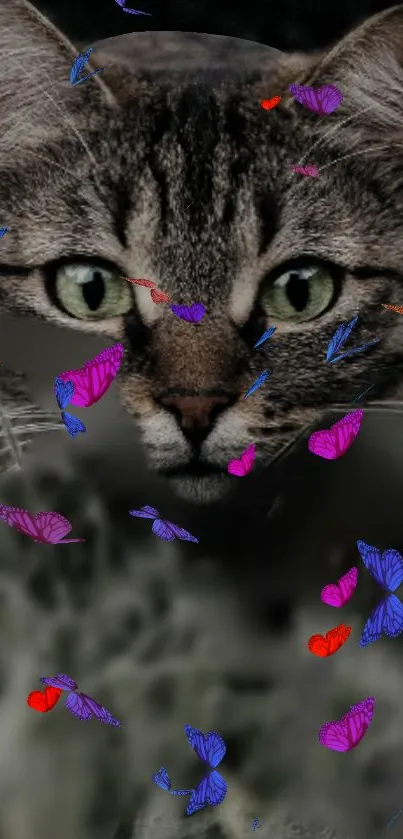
299,294
90,292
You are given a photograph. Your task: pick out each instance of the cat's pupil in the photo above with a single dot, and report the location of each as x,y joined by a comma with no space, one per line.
297,290
94,291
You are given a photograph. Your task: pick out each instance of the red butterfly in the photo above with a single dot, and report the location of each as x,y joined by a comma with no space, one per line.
324,645
268,104
44,700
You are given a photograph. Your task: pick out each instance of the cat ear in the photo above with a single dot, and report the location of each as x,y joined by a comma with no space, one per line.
37,100
367,67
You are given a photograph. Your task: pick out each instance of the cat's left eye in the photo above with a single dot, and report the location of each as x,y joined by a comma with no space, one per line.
299,294
90,292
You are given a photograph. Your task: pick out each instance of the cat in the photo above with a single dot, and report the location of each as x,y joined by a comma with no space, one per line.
165,166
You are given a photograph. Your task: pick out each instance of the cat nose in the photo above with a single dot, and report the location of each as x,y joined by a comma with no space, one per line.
196,414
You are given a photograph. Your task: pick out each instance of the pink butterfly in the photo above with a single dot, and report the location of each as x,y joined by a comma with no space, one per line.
145,283
242,465
338,594
48,528
311,171
345,734
93,379
333,443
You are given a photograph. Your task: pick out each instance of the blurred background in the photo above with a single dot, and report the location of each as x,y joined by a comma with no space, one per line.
213,634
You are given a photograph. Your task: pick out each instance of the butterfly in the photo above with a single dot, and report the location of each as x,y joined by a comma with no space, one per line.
345,734
64,392
162,779
258,382
333,443
311,171
79,704
44,700
324,100
265,337
121,3
340,593
398,309
164,529
340,337
158,296
256,825
269,104
211,749
244,463
324,645
48,528
78,66
387,570
192,314
357,398
145,283
95,377
3,231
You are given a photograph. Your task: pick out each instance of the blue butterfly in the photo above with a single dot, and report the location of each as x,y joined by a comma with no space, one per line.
386,619
78,66
122,3
387,570
255,824
211,749
340,337
265,337
258,382
64,392
3,231
163,528
162,779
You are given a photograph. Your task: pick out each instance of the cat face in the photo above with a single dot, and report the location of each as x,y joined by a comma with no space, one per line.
165,167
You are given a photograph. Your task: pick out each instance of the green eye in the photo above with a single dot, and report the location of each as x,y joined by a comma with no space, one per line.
298,295
89,292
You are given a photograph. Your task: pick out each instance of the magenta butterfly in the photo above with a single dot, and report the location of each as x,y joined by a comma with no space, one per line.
332,443
338,594
322,100
95,377
164,529
79,704
345,734
242,465
310,171
48,528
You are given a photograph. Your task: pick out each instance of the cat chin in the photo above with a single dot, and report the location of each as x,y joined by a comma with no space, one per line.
203,490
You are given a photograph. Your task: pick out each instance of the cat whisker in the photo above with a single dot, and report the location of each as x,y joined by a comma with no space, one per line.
333,130
356,154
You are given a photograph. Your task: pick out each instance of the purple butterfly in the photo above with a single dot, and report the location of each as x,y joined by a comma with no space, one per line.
79,704
122,3
44,527
192,314
310,171
164,529
324,100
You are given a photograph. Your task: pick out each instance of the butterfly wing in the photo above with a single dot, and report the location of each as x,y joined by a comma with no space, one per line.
329,98
52,527
386,568
168,531
310,171
337,637
63,392
78,707
93,379
397,309
162,779
244,464
339,594
76,68
334,443
343,735
20,519
158,296
3,231
73,424
265,337
191,314
340,337
121,3
210,792
209,747
386,619
99,712
45,701
355,350
144,283
61,681
258,382
145,513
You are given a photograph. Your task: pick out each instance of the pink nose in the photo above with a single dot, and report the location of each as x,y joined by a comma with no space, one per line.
196,414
